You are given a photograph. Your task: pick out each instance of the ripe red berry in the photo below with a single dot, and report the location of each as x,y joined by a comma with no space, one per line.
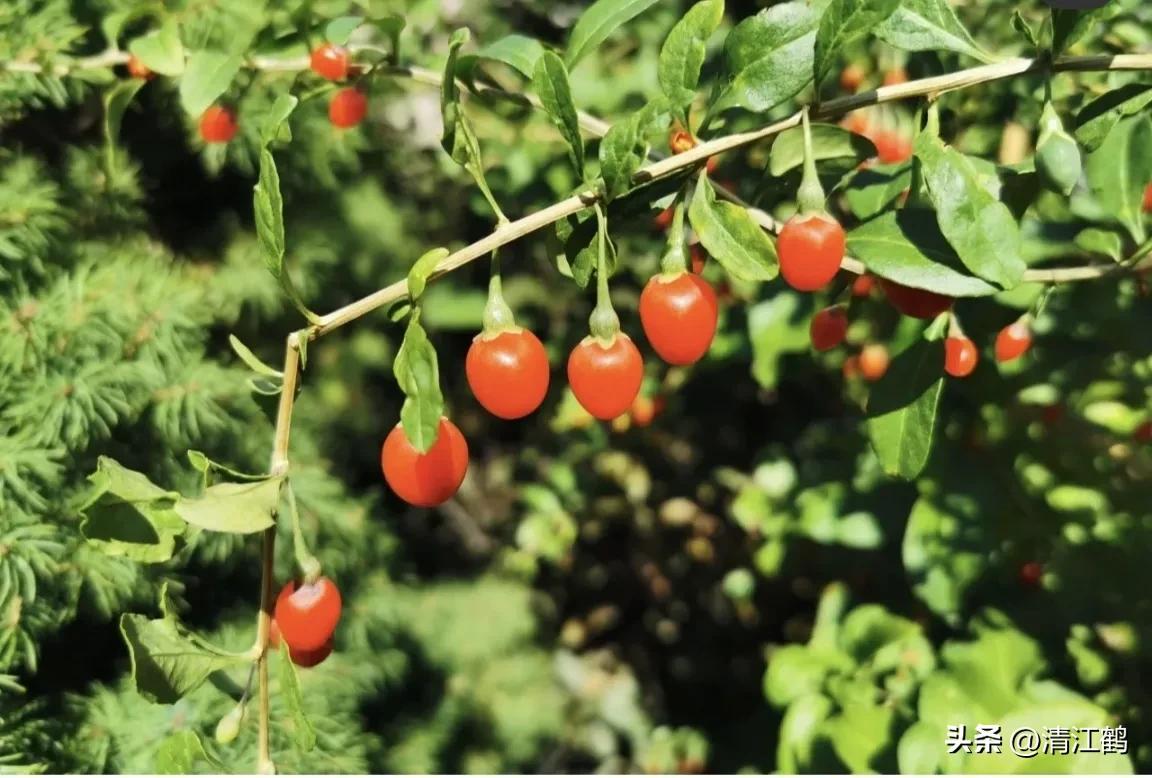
429,479
892,147
699,258
679,315
347,107
645,409
1013,341
1148,199
138,69
862,286
307,615
663,220
303,658
680,140
330,62
873,362
811,248
606,379
918,303
508,372
828,328
218,124
895,76
960,356
1031,574
852,78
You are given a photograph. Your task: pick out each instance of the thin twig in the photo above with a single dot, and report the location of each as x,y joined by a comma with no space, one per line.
278,467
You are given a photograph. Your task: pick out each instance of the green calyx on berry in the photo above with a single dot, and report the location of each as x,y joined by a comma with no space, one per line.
498,316
810,196
604,324
675,259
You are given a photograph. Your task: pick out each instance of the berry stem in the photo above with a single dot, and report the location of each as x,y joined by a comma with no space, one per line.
309,564
498,316
675,259
810,195
603,323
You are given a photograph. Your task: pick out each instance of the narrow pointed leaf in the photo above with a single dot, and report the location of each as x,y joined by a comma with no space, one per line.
682,54
550,80
600,20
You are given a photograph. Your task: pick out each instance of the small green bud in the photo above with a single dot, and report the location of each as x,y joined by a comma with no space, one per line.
1058,160
228,728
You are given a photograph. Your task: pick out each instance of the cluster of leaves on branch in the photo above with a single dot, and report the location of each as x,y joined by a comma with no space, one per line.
113,348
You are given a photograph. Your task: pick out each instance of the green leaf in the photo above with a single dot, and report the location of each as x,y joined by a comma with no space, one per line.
418,375
339,30
682,54
228,507
422,270
305,733
278,114
550,80
1021,26
1097,118
519,52
873,189
943,555
1069,26
992,669
797,671
202,464
168,664
980,228
600,20
902,407
1098,241
207,76
160,50
920,750
769,57
268,206
180,752
859,733
458,139
843,23
116,102
113,24
625,147
906,246
127,515
730,235
929,25
776,326
829,141
800,731
1120,169
253,362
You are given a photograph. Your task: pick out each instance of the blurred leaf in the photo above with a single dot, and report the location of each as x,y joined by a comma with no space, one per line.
907,246
769,57
422,270
921,750
1119,170
339,30
206,77
860,733
302,729
873,189
980,228
902,406
116,102
992,669
180,752
517,51
731,236
1076,716
929,25
253,362
776,327
1069,26
160,50
270,131
842,23
829,141
550,80
797,671
799,732
682,54
598,21
943,555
